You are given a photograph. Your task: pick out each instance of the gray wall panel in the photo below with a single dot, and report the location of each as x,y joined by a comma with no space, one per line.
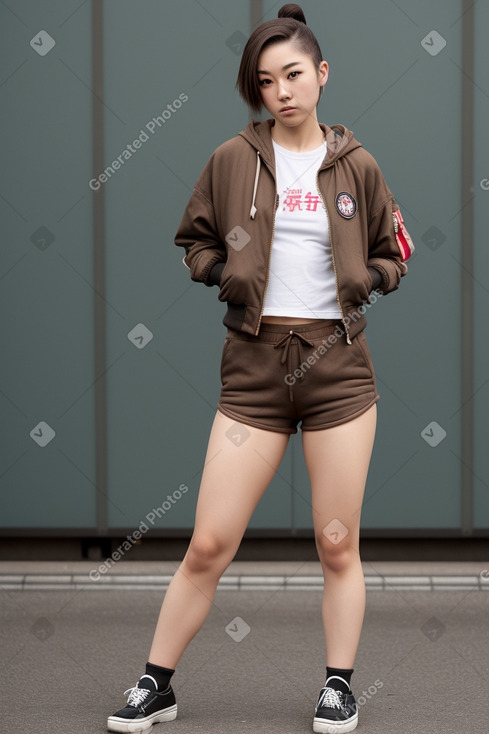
481,271
397,98
403,103
46,269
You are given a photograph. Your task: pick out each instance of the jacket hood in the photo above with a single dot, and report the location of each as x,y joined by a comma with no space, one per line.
257,133
339,139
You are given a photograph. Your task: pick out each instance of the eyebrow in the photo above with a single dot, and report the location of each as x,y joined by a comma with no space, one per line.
284,68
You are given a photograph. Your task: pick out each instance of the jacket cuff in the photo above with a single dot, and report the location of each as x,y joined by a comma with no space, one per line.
376,276
214,277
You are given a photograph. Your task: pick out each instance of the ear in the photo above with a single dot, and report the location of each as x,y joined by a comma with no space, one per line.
323,73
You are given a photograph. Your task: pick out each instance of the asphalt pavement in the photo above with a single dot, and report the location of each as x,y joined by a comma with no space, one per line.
70,648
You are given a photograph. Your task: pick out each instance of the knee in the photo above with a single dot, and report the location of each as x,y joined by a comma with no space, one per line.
336,557
206,551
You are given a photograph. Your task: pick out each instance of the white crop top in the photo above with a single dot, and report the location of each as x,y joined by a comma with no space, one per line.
301,279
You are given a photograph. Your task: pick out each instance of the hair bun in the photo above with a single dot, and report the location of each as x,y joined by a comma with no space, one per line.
292,11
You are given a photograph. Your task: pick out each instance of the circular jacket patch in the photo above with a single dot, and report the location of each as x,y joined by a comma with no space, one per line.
346,205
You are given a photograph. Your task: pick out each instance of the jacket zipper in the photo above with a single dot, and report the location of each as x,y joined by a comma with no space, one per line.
268,265
332,259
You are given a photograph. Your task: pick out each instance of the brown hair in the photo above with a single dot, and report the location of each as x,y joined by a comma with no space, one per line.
290,25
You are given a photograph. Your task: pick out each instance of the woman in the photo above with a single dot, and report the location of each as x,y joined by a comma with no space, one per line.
294,222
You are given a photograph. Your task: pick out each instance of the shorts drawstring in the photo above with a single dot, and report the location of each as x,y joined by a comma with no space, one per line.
286,342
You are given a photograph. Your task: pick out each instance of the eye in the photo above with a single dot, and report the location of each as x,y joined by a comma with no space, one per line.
266,82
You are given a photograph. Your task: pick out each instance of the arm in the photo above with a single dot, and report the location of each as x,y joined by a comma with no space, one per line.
205,253
376,276
389,243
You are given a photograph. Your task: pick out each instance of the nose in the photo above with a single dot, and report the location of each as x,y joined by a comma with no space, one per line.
283,92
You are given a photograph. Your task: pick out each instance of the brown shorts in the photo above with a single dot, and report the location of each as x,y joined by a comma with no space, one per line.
296,372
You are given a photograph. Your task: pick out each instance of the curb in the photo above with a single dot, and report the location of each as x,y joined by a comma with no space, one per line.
241,582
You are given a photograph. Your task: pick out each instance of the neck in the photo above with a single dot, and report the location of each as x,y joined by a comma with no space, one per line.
299,139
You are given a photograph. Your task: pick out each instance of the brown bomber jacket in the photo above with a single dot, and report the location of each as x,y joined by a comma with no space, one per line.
227,226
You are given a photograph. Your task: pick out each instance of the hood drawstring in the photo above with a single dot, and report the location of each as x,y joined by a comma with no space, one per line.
253,209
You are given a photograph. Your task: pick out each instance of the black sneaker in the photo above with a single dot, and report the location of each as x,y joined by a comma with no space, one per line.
145,707
336,712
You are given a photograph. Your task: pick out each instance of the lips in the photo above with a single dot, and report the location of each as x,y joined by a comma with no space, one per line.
286,109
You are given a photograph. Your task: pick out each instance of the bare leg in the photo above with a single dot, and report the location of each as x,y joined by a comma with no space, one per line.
337,461
233,481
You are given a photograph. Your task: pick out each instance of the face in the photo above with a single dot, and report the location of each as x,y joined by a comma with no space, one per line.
289,79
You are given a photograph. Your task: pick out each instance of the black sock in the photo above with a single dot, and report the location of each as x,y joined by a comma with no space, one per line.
160,675
339,678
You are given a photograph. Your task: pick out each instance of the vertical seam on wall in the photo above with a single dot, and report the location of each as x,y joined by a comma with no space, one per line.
256,17
256,13
467,265
99,270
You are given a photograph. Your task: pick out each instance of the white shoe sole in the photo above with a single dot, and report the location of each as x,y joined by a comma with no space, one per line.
116,723
324,727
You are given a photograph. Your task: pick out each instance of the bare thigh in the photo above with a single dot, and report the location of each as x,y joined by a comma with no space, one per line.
240,462
337,461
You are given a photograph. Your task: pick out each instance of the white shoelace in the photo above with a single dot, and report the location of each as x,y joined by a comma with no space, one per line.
331,698
136,695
